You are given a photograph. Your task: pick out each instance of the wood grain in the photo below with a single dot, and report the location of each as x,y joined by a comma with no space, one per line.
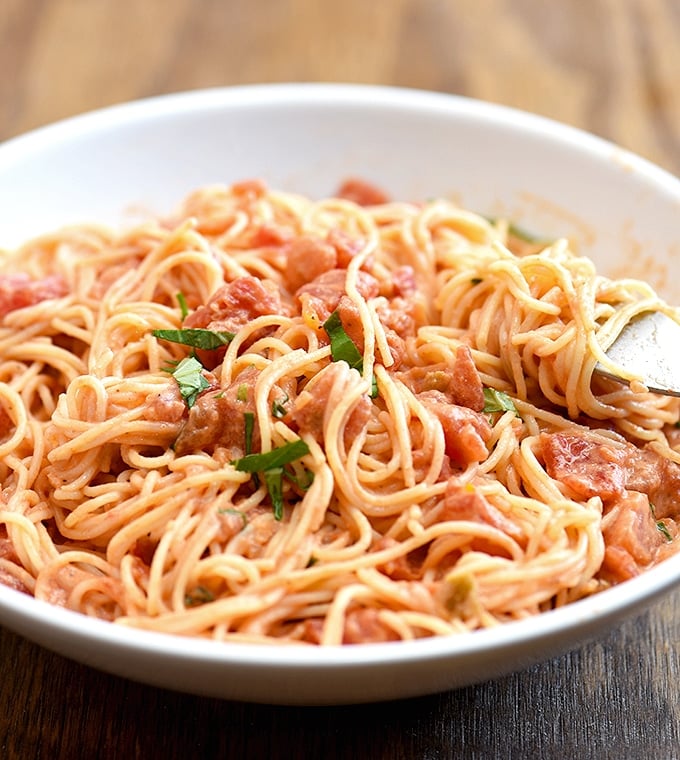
614,698
608,66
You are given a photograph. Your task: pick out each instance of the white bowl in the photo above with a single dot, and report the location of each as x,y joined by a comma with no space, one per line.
105,166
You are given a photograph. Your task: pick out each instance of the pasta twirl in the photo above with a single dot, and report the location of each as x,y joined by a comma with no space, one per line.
270,418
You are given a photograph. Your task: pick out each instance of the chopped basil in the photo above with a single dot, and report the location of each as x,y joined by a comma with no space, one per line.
197,596
249,425
520,233
273,478
344,349
303,485
277,457
242,392
271,464
196,337
660,524
498,401
189,376
528,237
183,308
278,408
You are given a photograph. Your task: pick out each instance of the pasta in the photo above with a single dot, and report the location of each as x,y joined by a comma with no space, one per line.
268,418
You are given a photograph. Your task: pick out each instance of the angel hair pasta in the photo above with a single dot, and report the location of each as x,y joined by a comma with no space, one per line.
348,420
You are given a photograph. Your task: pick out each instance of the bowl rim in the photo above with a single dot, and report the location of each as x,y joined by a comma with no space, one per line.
18,610
593,611
327,94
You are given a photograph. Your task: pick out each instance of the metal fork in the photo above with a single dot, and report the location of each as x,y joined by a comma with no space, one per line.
649,346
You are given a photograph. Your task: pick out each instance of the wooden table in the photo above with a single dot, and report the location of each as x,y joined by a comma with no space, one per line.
610,66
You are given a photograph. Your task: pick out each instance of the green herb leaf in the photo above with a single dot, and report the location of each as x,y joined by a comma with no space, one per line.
342,346
250,426
198,595
521,233
526,236
242,392
196,337
277,457
189,376
273,478
278,408
344,349
183,308
498,401
271,464
660,524
302,483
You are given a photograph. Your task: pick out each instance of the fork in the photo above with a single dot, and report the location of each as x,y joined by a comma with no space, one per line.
648,347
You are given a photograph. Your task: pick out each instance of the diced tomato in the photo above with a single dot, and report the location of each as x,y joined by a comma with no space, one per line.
346,247
402,568
588,466
404,281
466,385
18,291
250,188
165,406
237,303
232,307
631,537
318,399
658,477
364,625
362,192
322,295
461,385
307,257
592,466
467,503
465,431
218,418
